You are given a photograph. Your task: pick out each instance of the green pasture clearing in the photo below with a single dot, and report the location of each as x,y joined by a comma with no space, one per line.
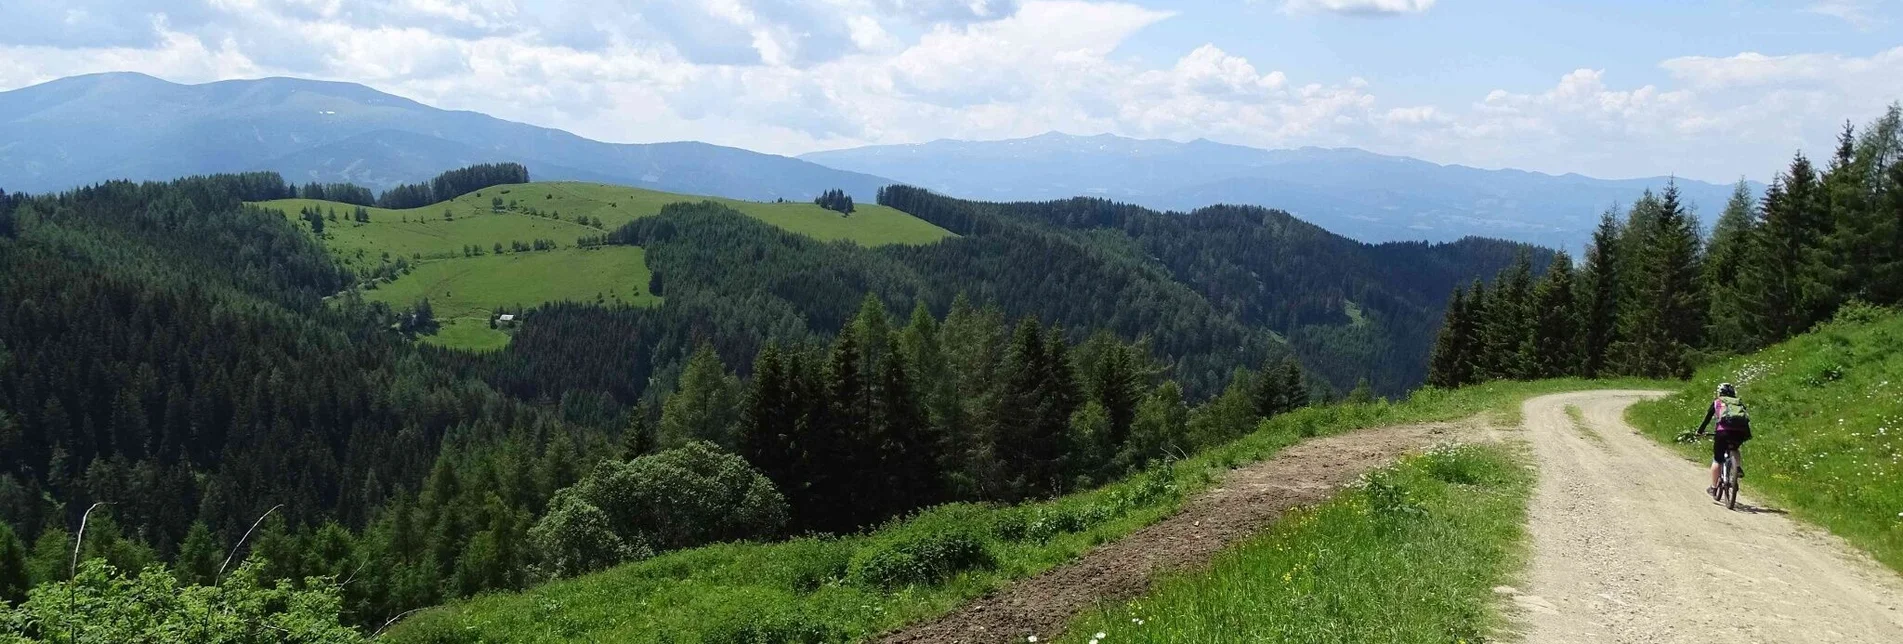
464,291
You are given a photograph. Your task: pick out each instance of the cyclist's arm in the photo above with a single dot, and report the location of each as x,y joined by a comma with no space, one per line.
1709,412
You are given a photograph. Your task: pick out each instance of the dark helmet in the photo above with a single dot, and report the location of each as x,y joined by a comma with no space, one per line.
1727,390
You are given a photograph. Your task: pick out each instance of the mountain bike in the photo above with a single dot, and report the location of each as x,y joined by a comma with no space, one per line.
1728,473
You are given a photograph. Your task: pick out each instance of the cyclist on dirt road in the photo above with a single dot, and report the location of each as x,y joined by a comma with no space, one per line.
1733,429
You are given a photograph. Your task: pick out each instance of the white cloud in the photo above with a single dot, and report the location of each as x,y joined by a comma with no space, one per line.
786,76
1856,12
1360,7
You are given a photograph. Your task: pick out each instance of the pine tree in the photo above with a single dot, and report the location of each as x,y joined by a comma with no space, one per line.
1473,363
1445,363
1666,320
909,454
837,441
1267,397
1024,451
1732,326
769,425
1870,236
199,556
1507,323
1599,293
1362,394
14,580
1555,346
1887,274
1786,265
1294,385
705,407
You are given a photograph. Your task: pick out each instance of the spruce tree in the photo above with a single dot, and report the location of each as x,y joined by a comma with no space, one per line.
1507,324
1732,326
1845,192
1025,451
14,580
769,424
1268,398
1473,362
1870,236
705,407
908,453
1887,272
1294,385
839,451
1554,349
199,556
1666,321
1599,294
1786,265
1445,363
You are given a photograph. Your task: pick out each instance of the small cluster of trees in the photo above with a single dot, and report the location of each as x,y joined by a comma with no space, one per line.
1655,295
836,200
452,184
342,192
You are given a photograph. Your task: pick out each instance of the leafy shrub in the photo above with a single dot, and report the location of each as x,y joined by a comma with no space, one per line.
684,497
575,537
933,546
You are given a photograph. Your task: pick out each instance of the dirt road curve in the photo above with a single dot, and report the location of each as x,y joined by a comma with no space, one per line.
1248,500
1627,549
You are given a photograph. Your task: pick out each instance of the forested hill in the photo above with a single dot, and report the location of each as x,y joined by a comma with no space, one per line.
1350,310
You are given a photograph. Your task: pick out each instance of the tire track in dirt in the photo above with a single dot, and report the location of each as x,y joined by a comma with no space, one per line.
1247,500
1626,548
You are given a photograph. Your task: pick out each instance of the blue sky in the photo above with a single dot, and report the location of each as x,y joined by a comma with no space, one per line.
1710,90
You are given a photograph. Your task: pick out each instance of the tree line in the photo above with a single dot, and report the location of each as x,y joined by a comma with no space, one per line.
1655,295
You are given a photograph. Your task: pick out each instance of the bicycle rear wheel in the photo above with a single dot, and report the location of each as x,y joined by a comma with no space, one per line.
1731,481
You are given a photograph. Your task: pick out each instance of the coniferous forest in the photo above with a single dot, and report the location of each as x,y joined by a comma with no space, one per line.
198,383
1655,294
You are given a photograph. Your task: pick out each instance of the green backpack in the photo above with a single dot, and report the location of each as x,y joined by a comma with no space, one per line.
1732,413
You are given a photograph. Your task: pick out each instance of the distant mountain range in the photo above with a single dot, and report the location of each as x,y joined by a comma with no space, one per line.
1367,196
85,129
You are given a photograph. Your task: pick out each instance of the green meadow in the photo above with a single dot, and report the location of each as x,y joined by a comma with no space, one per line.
451,247
465,290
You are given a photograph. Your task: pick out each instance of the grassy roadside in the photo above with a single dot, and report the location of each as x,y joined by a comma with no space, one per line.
1827,425
811,590
1410,555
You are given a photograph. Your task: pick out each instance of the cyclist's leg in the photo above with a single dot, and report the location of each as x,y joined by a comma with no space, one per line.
1717,459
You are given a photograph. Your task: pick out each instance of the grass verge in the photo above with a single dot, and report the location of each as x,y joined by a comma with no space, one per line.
805,590
1580,425
1411,554
1827,425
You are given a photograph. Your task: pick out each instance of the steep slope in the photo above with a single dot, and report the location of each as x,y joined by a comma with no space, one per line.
1367,196
92,128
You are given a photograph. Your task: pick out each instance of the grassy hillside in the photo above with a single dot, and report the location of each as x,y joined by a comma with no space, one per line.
807,590
1827,420
465,289
1411,555
443,229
